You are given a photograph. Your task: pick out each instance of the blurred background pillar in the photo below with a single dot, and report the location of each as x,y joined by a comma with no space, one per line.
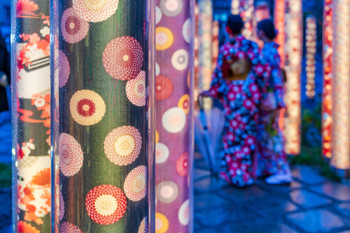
31,115
279,20
205,43
327,78
293,50
174,114
103,117
340,139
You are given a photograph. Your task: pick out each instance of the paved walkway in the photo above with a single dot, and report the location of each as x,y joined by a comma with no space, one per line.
310,204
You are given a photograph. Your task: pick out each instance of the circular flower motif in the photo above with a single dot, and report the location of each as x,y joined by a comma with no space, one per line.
71,155
158,15
174,120
164,87
186,30
162,153
95,10
73,28
184,103
64,69
123,145
167,191
123,58
136,90
171,7
184,213
135,184
164,38
87,107
162,223
182,165
67,227
179,59
39,102
105,204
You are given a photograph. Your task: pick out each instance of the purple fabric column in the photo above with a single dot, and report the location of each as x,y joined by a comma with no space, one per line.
174,102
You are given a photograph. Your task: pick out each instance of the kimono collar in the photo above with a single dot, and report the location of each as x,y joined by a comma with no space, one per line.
236,39
272,44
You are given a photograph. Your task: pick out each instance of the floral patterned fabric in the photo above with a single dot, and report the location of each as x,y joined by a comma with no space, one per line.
100,128
241,99
31,95
271,155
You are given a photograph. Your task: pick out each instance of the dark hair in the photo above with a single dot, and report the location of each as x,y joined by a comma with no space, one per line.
268,28
235,23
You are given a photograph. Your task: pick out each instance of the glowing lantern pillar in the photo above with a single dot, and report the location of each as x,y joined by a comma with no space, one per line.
174,103
31,115
327,78
102,131
293,51
341,85
280,27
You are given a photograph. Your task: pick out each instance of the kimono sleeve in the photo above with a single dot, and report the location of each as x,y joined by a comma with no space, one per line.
218,85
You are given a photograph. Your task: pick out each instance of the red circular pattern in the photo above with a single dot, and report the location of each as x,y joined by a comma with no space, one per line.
123,58
86,112
71,155
136,89
67,227
164,87
113,136
87,107
64,69
182,164
73,28
132,183
99,191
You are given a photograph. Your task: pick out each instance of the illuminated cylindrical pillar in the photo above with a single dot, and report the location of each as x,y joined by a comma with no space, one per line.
279,20
205,26
311,41
293,50
103,122
174,114
215,43
341,85
262,11
31,115
247,13
327,78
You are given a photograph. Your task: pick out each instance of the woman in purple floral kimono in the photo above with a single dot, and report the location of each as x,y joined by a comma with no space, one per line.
272,159
238,82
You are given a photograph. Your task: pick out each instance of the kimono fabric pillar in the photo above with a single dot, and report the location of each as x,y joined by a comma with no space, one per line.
205,25
174,103
341,85
327,78
294,41
31,115
103,74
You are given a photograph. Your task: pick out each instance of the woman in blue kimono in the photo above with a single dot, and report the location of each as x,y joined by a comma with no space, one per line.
272,159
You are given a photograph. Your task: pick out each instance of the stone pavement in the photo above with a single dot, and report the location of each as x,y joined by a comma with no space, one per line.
311,203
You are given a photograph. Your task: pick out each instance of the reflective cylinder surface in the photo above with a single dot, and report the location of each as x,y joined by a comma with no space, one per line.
103,118
31,115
